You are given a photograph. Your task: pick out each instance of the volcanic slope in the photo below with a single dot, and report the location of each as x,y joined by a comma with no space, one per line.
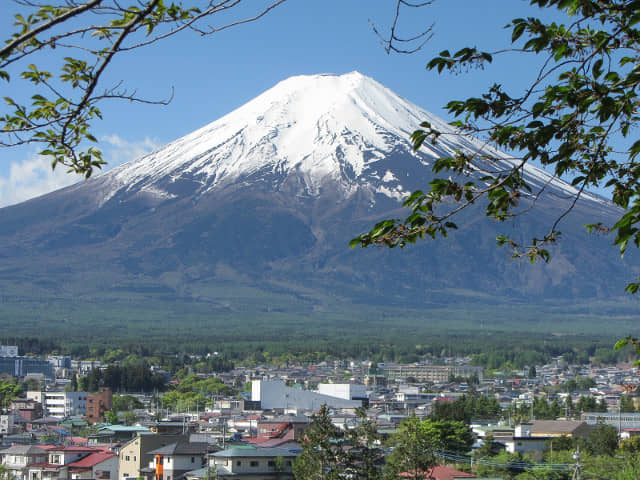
257,208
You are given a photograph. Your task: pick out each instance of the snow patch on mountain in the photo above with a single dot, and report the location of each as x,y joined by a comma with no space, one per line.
324,128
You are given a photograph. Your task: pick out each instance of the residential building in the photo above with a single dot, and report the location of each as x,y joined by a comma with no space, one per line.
101,465
246,463
27,408
18,458
135,455
98,404
172,461
64,404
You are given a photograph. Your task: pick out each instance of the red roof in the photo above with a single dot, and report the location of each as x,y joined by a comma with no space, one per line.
92,460
73,448
440,472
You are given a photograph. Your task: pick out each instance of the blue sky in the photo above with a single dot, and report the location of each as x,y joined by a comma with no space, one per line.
213,75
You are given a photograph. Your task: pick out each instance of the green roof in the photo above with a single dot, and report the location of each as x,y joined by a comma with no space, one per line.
124,428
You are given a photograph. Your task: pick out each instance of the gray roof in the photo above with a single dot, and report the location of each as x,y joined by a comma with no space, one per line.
24,450
182,448
255,452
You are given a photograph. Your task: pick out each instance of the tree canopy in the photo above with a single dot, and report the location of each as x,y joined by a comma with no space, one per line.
577,117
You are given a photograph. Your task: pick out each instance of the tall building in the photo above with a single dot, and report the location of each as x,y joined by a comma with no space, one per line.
61,404
98,404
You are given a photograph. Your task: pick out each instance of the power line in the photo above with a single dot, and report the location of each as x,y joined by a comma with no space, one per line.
487,461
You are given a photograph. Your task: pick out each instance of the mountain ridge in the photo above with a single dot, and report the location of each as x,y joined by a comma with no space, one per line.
239,204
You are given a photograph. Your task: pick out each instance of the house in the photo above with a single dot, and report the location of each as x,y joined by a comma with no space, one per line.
248,463
55,467
102,465
18,458
116,433
557,428
174,460
135,455
287,428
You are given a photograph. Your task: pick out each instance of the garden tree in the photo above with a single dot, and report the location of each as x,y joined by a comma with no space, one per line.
413,453
563,443
577,117
626,404
504,465
124,403
364,457
568,403
466,407
111,417
322,456
603,440
489,447
9,391
630,446
83,37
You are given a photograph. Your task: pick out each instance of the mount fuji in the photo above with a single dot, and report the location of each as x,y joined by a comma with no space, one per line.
264,201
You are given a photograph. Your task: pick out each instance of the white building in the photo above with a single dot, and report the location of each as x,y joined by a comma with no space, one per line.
274,394
8,351
63,404
347,391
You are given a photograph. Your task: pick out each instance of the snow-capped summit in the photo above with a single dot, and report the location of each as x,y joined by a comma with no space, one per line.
326,129
319,126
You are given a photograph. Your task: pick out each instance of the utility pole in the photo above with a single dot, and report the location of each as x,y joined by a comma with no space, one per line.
576,473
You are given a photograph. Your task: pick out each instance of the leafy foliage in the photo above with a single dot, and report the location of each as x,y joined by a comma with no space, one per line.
577,117
322,455
413,451
85,37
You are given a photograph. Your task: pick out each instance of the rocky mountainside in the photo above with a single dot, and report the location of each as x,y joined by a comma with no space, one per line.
267,198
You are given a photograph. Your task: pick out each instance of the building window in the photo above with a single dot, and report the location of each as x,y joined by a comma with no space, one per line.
134,458
127,458
193,459
271,463
238,463
253,463
288,463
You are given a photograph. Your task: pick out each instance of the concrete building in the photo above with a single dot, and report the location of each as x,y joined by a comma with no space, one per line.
275,395
23,366
64,404
98,404
431,373
617,420
347,391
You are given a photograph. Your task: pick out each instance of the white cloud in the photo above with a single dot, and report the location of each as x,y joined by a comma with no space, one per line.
117,150
31,178
34,177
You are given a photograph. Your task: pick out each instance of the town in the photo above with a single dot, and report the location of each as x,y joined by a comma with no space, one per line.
61,418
